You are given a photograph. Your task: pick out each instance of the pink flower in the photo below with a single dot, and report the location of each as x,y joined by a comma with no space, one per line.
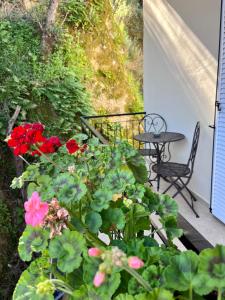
135,262
99,279
94,252
35,210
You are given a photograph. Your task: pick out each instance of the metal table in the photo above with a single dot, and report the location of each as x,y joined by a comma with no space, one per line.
159,141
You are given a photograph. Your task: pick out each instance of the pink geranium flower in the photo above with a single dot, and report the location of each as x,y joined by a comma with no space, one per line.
35,210
135,262
99,279
94,252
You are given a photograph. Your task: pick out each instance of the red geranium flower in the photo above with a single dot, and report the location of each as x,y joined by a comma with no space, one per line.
23,136
84,148
38,126
55,141
21,149
72,146
34,136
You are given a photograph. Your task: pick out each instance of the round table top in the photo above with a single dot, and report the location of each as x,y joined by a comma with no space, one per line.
164,137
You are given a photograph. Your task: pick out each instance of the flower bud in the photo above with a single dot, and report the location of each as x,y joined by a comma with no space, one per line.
135,262
99,279
94,252
45,288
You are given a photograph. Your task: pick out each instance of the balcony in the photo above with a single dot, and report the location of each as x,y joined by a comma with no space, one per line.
197,236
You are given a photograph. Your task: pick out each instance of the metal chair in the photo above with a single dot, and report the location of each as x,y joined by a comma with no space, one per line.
179,175
151,123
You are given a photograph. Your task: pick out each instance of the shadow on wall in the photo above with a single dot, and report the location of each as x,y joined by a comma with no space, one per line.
192,63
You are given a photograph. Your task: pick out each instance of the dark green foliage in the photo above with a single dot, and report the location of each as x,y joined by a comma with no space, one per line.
47,91
81,13
32,240
67,248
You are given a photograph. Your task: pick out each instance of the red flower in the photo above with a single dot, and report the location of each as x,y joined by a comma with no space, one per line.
23,136
55,141
21,149
38,126
50,145
23,139
72,146
34,136
84,148
47,147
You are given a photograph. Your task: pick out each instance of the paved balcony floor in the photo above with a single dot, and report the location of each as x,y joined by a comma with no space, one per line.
207,225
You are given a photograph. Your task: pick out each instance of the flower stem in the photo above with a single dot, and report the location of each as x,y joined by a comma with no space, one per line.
48,159
190,292
219,295
138,277
63,285
94,240
20,156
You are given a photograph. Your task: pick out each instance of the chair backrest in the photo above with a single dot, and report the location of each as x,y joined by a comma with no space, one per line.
194,147
153,123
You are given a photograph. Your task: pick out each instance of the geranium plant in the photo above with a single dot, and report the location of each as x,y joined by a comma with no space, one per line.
88,230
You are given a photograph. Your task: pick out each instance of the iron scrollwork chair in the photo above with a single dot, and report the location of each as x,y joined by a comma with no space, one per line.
151,123
179,175
156,124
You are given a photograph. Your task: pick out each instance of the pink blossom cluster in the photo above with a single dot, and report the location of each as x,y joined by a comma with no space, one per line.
45,214
133,262
36,210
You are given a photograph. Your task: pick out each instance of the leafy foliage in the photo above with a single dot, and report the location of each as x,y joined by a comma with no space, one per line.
26,289
100,191
69,189
32,240
45,92
67,248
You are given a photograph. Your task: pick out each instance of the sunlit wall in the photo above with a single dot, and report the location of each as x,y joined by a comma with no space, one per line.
181,42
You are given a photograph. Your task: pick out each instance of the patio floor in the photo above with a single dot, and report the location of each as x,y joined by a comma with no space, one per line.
207,225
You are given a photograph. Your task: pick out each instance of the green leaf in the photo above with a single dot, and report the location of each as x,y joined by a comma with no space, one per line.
157,294
137,165
170,225
117,181
43,187
113,217
110,286
212,263
101,200
33,239
203,284
180,274
26,288
93,221
80,137
168,206
69,189
81,293
151,199
67,248
124,297
136,191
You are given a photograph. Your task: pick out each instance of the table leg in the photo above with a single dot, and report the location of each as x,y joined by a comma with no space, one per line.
158,161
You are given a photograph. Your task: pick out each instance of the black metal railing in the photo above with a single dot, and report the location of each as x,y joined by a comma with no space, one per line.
114,127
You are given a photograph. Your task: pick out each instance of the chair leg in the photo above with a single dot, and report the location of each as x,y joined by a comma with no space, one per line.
179,191
171,184
158,182
191,205
187,189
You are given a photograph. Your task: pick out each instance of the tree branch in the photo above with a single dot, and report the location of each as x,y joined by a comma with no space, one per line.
12,121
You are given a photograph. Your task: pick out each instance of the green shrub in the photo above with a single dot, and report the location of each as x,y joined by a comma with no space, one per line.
49,92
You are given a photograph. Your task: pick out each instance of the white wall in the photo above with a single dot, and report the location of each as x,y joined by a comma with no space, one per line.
181,42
